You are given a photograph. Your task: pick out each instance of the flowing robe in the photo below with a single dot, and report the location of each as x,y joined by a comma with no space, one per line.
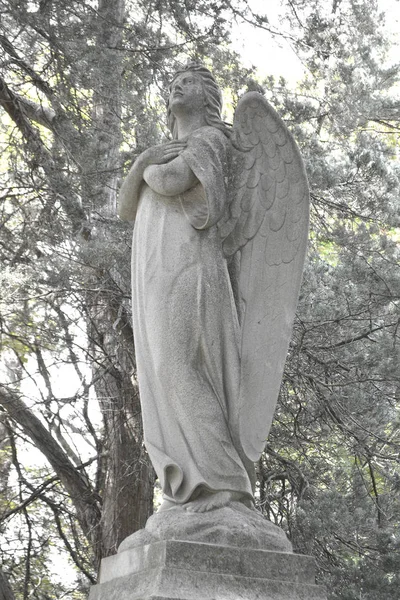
186,330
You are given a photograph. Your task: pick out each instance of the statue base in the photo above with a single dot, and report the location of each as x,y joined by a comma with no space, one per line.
184,570
231,525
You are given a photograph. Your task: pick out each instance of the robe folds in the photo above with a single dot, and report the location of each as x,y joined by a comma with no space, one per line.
187,333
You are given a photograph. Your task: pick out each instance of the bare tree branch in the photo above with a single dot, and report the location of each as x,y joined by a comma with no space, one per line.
15,109
38,492
40,83
43,115
82,495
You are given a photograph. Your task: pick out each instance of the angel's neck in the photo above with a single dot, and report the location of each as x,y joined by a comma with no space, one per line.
189,123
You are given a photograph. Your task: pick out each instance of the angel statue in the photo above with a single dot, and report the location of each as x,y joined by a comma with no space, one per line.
221,224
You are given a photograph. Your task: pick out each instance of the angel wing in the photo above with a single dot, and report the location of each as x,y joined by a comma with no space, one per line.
267,221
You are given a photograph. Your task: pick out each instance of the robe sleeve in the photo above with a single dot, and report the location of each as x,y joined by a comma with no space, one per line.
207,155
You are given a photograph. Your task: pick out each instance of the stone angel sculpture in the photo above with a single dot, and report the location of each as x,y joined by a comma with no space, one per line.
219,242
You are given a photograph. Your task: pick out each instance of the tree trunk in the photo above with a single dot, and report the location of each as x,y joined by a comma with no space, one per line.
6,592
128,486
85,501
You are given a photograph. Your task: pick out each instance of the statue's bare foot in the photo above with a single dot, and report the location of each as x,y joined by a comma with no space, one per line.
207,501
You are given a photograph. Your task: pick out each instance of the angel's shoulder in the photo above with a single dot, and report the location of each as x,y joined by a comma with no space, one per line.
210,134
207,131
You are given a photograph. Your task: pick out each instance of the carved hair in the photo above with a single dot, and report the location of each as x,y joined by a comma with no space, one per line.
213,99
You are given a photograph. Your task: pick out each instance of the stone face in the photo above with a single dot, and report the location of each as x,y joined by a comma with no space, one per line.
192,571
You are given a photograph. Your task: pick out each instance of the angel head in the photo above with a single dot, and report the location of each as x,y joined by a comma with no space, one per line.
204,95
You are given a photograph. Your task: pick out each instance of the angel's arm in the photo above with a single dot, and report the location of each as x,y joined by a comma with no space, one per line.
151,160
129,193
170,179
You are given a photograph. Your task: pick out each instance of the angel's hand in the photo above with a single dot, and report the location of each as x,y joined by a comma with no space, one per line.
130,189
161,154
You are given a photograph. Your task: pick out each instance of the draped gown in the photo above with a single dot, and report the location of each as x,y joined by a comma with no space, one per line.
187,331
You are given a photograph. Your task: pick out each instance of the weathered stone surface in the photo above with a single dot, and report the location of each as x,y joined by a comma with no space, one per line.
210,558
233,525
221,227
211,342
192,571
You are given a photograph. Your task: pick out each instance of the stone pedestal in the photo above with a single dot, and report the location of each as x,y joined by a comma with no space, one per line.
181,570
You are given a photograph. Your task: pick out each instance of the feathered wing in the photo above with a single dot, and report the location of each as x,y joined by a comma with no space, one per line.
267,221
